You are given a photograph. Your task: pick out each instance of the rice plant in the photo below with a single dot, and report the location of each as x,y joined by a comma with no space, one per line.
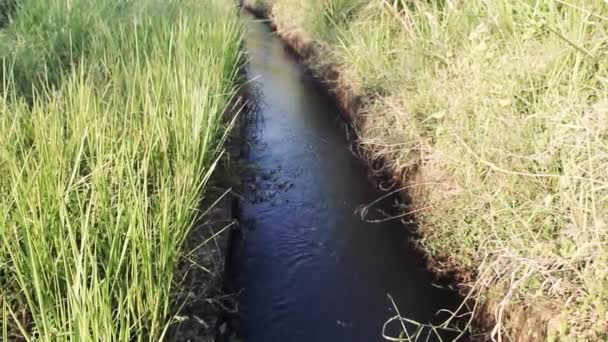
111,123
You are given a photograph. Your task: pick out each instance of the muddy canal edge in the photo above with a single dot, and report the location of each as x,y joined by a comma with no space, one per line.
206,302
525,324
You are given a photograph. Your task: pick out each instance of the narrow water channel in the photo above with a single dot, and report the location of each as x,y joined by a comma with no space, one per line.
309,267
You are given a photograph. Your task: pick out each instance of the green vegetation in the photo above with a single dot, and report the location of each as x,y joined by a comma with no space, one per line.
495,113
7,8
111,123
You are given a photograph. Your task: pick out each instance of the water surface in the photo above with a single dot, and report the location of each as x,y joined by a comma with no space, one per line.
309,267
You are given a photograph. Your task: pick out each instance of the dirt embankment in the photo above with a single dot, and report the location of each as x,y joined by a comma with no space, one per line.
521,323
201,300
205,300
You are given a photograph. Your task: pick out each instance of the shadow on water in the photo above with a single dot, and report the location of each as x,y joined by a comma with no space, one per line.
309,268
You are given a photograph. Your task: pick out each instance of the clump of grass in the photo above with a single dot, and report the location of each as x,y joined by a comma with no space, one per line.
103,168
495,113
320,18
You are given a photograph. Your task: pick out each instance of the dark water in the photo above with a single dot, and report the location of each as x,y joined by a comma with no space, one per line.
309,267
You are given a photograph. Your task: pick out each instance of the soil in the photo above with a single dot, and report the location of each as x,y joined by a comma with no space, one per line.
201,299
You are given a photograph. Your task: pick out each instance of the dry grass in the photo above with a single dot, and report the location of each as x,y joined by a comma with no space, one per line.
497,113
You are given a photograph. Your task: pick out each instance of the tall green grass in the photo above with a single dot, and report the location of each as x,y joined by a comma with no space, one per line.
495,113
111,123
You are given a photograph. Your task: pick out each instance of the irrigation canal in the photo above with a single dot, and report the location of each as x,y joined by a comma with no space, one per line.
309,267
